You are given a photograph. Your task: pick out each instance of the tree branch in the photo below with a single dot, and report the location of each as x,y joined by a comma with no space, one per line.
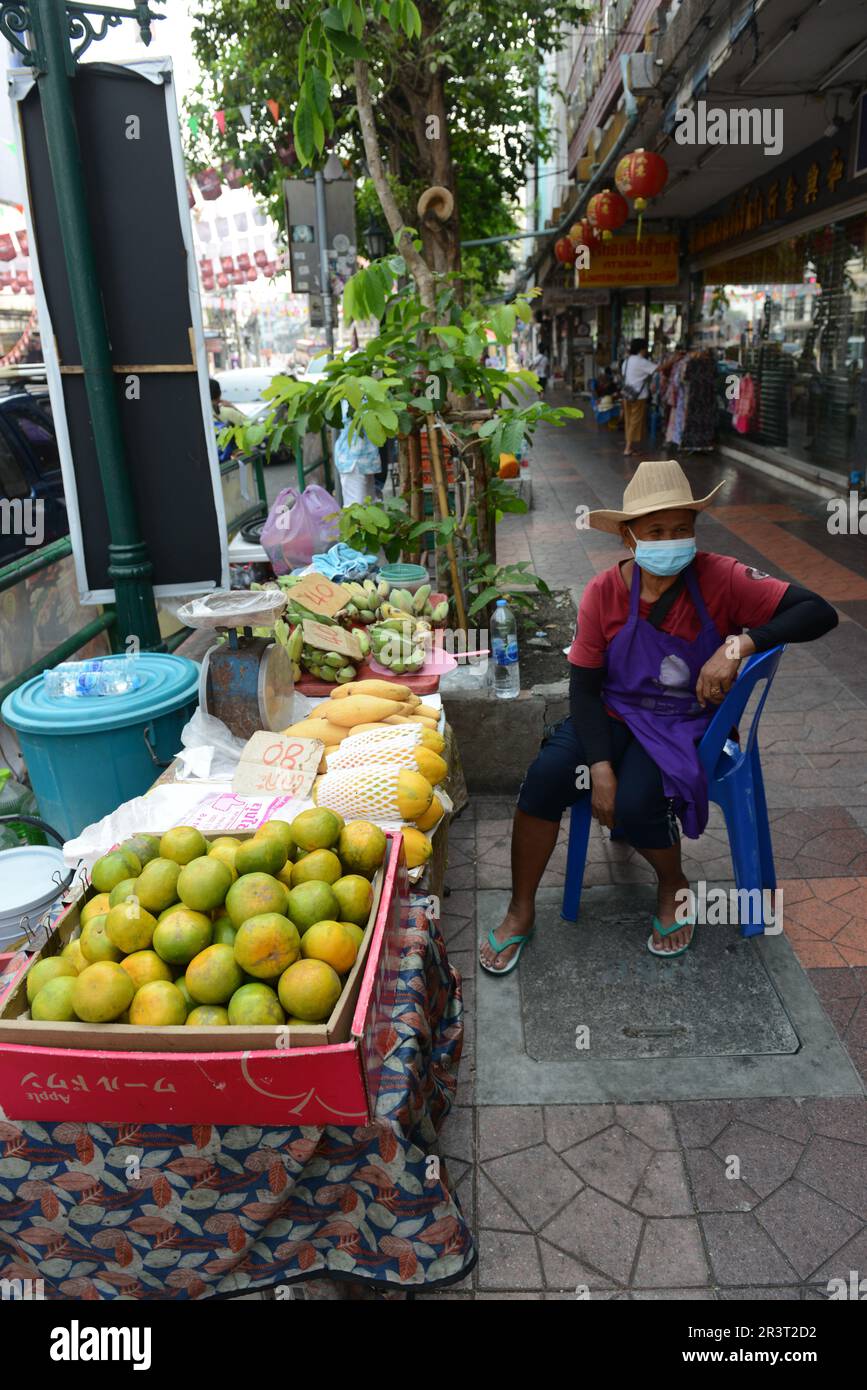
416,264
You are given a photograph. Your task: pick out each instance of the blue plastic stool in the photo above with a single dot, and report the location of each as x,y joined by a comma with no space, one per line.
735,783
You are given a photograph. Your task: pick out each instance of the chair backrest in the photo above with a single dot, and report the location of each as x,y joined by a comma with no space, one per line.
762,666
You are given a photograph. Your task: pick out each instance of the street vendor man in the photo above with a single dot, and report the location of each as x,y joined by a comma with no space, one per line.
658,645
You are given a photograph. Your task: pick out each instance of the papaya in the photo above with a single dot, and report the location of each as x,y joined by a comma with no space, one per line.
328,733
431,816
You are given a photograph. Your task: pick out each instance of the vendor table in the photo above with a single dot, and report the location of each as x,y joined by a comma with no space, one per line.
171,1212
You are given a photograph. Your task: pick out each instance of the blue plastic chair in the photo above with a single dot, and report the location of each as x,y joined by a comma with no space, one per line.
602,417
735,783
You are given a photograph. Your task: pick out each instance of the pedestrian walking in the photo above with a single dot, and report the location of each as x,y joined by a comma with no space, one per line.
357,461
542,367
637,371
658,645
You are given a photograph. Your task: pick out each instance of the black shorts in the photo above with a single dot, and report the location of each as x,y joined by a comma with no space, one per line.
642,812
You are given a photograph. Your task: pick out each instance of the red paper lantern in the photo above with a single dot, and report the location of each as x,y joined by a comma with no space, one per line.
7,248
583,233
243,261
222,281
23,242
606,212
251,274
227,265
564,251
640,176
260,257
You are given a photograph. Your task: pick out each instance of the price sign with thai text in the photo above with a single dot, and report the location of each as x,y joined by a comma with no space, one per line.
318,594
277,763
331,639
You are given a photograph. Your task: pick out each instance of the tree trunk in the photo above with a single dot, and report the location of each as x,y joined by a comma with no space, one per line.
416,265
427,105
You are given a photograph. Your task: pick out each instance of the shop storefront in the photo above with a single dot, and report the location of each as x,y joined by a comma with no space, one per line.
780,291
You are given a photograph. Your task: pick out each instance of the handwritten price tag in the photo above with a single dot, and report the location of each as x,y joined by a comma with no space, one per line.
318,594
331,639
277,763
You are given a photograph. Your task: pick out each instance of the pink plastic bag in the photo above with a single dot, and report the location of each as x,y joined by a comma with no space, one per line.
299,526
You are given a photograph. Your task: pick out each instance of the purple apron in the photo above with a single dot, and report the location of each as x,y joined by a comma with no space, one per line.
650,683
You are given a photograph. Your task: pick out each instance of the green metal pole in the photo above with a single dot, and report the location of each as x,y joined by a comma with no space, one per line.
129,564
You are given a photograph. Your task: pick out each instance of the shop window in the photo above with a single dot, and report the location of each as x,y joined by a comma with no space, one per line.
794,316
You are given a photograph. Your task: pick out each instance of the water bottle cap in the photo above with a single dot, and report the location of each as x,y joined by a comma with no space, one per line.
502,603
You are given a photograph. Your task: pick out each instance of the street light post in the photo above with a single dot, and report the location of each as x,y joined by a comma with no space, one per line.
60,33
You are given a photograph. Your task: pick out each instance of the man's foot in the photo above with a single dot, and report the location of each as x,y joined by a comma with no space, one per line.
513,924
667,906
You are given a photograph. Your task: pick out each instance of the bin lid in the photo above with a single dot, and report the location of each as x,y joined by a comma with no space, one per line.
30,880
167,681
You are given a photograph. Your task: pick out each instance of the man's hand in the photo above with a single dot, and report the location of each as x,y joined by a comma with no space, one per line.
603,789
719,673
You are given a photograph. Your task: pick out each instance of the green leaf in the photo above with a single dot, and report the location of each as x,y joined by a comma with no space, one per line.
302,129
333,19
483,599
347,44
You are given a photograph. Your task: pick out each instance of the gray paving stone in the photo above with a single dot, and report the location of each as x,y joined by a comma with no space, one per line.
598,1232
495,1213
852,1255
680,1295
792,1294
765,1159
671,1255
741,1252
456,1135
700,1121
839,1119
505,1128
566,1125
712,1190
508,1260
568,1275
613,1162
536,1182
654,1124
663,1191
786,1117
806,1226
838,1170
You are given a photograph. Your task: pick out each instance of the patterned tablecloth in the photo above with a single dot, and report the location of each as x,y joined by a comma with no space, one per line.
162,1212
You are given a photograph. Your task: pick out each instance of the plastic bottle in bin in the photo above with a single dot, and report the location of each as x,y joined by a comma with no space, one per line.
504,647
115,675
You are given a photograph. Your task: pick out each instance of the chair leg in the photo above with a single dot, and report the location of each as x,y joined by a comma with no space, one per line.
576,858
763,826
746,859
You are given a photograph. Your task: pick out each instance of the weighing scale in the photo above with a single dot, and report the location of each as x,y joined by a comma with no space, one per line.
245,681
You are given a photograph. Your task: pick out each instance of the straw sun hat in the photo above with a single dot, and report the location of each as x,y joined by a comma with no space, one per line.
656,486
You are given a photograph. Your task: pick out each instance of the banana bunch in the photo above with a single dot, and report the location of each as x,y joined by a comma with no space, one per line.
364,601
399,644
326,665
292,640
418,604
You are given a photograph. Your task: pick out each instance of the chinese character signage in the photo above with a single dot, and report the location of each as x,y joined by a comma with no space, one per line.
816,179
623,262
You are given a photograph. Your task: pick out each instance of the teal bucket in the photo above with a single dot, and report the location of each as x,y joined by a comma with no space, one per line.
87,756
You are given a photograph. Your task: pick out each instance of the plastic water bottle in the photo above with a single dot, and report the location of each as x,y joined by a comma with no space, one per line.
504,646
99,676
17,800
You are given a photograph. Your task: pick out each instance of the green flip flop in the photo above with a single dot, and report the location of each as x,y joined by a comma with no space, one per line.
495,945
669,931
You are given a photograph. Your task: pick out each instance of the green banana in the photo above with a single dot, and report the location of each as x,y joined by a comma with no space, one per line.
421,598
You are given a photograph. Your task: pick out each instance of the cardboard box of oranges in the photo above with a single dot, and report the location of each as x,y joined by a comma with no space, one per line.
214,979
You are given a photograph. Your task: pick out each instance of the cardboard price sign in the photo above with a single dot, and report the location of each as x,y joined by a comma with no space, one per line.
277,764
318,594
332,639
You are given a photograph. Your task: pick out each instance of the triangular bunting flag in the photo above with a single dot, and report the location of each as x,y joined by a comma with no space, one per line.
193,123
246,115
274,108
220,118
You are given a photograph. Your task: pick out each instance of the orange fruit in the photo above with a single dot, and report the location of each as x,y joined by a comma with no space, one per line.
308,990
331,942
267,945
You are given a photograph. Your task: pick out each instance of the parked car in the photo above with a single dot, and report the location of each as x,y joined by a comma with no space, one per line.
29,472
